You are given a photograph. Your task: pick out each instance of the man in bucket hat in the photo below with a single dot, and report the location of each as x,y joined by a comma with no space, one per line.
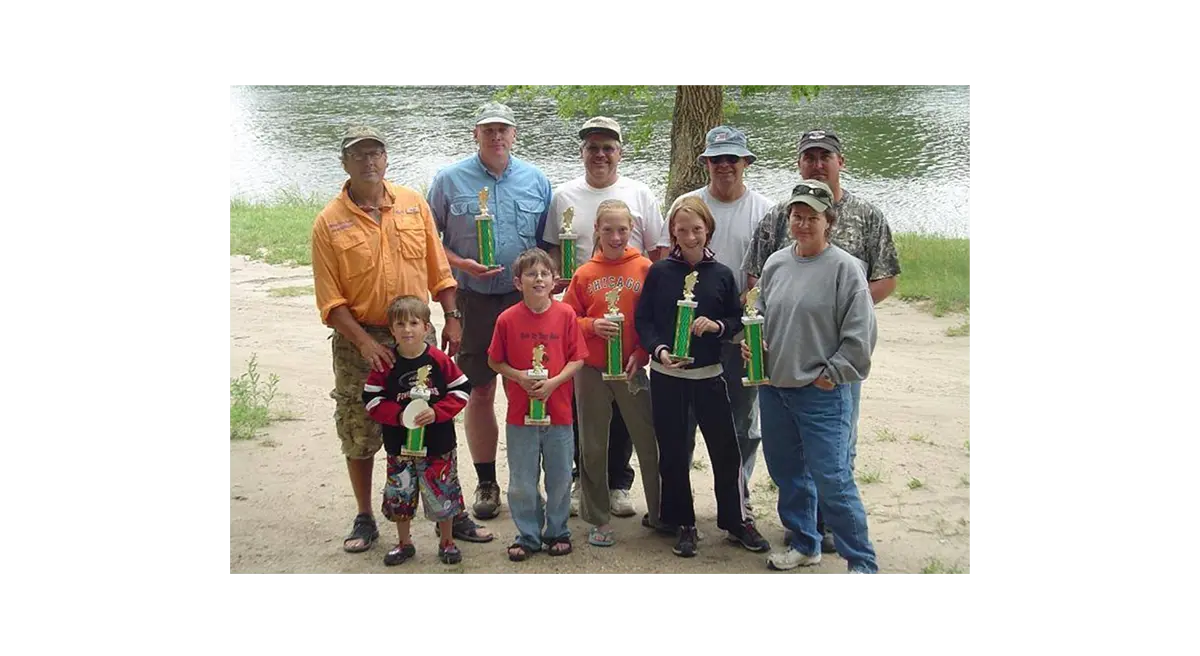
737,209
860,230
518,197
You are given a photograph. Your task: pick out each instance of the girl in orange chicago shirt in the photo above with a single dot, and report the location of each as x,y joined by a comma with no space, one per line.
614,270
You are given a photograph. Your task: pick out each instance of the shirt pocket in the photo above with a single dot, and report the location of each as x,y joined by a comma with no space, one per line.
409,234
529,211
355,254
460,227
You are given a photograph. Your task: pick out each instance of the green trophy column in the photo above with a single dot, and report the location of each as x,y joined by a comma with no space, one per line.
614,368
685,314
756,372
537,409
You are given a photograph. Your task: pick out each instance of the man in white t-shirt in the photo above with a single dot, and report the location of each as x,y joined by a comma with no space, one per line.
737,211
601,153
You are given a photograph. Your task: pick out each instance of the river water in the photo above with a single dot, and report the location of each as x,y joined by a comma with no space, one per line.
907,148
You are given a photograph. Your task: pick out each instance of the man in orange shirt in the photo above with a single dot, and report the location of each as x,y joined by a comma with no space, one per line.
373,242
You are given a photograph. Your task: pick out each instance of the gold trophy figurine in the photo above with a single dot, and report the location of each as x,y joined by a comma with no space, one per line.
567,239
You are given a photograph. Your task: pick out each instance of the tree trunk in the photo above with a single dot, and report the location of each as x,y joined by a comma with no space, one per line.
698,109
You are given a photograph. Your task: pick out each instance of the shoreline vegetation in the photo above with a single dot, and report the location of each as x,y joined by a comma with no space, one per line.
935,270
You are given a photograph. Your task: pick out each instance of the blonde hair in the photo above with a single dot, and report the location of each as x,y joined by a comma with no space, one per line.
610,206
696,206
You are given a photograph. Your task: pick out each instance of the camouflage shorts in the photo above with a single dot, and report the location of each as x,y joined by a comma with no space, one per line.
361,436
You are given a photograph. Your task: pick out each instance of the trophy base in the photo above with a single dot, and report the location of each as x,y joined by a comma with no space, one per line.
413,453
746,382
681,358
614,377
530,421
492,266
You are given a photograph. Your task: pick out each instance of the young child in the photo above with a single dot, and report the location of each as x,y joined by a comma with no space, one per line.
698,387
538,325
615,268
386,395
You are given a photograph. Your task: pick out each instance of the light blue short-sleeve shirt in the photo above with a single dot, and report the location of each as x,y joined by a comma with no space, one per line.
518,200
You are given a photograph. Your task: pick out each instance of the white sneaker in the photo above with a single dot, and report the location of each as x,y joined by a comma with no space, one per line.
620,504
575,498
791,559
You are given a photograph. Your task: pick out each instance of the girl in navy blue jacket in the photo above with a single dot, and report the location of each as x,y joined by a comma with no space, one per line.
677,388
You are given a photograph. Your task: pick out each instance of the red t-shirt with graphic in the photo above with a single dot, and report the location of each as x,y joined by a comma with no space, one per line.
518,330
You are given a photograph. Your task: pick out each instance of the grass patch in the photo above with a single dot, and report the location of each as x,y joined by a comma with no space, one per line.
885,435
965,479
918,437
698,464
915,484
250,401
960,331
277,232
967,446
291,291
866,477
935,269
935,566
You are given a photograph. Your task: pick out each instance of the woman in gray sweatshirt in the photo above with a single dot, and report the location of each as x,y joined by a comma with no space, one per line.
821,324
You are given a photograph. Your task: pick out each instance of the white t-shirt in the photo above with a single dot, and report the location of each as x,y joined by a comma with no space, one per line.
647,219
736,223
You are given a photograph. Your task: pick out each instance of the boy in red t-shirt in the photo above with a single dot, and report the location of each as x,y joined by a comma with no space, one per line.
538,320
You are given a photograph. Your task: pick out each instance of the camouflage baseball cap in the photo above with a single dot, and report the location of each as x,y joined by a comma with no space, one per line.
357,133
724,140
494,112
602,124
826,139
814,193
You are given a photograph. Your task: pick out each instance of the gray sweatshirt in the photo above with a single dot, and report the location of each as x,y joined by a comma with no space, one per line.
819,316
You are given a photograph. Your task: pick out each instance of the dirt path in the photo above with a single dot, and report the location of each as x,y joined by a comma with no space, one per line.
291,504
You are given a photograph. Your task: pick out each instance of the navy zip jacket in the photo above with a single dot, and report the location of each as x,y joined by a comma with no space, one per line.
716,293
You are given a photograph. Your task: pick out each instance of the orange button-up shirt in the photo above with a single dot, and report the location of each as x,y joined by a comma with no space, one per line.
365,265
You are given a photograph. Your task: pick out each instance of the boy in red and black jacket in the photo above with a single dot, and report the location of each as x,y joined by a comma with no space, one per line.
386,395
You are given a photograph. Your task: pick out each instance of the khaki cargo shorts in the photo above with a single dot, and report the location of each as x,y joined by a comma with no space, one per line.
361,436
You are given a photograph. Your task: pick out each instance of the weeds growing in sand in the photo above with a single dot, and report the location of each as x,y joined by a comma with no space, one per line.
291,291
965,479
250,401
885,434
967,446
915,484
868,476
918,437
935,566
960,331
699,464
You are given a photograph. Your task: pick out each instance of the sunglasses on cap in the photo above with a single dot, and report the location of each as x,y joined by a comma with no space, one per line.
816,192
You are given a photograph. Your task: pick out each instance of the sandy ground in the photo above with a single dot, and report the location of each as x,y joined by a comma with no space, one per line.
291,504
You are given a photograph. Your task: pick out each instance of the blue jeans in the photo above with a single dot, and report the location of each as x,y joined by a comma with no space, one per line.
530,450
856,397
806,442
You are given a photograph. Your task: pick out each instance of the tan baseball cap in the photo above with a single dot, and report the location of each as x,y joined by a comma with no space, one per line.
602,124
357,133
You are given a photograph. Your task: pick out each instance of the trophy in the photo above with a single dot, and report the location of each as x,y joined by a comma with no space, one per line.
756,373
614,368
485,233
537,408
685,314
567,237
414,440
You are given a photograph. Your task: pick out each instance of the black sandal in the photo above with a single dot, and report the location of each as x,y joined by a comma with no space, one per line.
365,530
554,543
465,529
449,554
522,554
399,554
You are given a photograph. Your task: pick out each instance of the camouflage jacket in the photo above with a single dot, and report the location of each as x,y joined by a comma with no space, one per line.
860,230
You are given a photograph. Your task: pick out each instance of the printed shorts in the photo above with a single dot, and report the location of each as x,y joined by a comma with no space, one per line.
434,478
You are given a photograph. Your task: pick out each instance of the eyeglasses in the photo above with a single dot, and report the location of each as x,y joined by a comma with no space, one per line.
724,159
817,192
595,150
373,155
